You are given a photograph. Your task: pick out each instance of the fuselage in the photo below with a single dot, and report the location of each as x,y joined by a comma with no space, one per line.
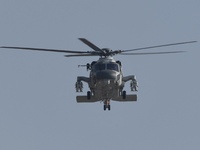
106,83
106,78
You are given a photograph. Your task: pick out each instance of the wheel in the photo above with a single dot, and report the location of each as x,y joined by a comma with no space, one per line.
108,107
104,107
124,94
88,95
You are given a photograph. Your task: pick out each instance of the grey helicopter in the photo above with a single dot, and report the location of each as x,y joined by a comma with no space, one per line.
106,80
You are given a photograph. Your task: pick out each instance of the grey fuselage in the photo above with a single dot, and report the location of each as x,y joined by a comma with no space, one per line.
106,79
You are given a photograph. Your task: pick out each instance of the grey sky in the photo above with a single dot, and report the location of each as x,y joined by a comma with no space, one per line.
38,109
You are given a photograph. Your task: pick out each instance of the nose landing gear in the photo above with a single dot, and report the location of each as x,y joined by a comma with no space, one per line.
106,105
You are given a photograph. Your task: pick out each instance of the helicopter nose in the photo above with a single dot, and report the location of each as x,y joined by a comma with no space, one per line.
106,75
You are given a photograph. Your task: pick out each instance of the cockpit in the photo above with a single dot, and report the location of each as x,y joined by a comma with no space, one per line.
106,66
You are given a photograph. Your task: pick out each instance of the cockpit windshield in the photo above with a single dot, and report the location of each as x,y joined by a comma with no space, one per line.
108,66
112,66
100,67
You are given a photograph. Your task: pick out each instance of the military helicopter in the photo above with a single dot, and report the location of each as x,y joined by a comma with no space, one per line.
106,80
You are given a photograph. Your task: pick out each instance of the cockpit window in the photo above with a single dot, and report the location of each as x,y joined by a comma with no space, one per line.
112,66
106,66
100,67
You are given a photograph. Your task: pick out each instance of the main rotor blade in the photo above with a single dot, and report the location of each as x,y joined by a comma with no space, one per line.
42,49
91,45
137,49
152,53
79,55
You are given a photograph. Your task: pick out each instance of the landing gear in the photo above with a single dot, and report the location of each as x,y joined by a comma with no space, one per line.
124,94
106,105
88,95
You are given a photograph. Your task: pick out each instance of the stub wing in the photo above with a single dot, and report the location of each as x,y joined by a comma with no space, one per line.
84,99
129,98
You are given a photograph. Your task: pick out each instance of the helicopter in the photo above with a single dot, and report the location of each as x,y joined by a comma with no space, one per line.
106,80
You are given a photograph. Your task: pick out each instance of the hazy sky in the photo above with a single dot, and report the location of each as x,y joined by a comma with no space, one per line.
38,109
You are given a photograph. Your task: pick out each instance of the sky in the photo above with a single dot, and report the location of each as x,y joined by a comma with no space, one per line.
38,109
